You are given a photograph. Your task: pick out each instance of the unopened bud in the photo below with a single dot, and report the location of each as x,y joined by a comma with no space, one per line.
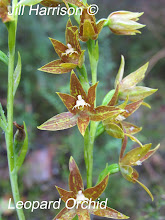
124,22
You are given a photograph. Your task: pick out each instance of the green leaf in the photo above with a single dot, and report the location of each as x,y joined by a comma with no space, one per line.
29,2
17,74
114,130
3,121
108,97
111,169
4,58
20,159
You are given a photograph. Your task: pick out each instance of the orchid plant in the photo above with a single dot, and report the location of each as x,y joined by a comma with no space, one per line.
91,120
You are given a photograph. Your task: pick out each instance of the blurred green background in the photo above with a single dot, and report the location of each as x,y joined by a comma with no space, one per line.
36,101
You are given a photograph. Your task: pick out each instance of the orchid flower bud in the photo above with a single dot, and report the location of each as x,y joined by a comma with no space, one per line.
124,22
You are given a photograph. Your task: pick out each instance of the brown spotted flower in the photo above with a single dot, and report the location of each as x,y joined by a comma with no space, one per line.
82,202
81,109
128,86
89,29
4,4
71,55
117,126
134,157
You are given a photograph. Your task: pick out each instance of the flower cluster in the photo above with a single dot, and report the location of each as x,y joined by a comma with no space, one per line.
123,101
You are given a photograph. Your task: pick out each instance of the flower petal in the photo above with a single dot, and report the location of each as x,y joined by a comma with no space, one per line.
59,122
108,213
103,112
51,3
100,25
146,189
64,194
130,128
83,214
131,108
58,46
120,73
68,100
124,145
132,79
92,95
132,157
150,153
56,67
82,123
76,87
136,93
114,130
65,213
129,173
113,101
94,192
75,179
4,11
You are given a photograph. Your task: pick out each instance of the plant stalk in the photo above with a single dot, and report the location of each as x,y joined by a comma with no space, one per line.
12,27
89,137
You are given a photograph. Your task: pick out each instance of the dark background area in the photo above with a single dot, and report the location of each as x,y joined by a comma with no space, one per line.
47,161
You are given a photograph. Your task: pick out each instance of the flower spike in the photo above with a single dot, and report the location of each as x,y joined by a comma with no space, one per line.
80,196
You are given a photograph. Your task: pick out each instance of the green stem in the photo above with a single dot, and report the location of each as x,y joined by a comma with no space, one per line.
12,27
83,76
89,137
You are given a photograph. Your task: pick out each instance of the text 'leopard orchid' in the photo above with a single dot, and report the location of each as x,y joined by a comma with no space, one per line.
71,55
81,109
116,126
4,12
81,196
134,157
128,84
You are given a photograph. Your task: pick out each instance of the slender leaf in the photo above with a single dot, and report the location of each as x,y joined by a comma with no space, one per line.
17,74
4,58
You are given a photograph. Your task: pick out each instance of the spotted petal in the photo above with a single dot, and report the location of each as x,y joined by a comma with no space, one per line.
103,112
4,11
133,156
130,128
150,153
107,212
51,3
76,87
114,130
75,179
64,194
69,101
65,213
59,122
92,95
113,101
136,93
82,122
83,214
94,192
132,79
56,67
131,108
